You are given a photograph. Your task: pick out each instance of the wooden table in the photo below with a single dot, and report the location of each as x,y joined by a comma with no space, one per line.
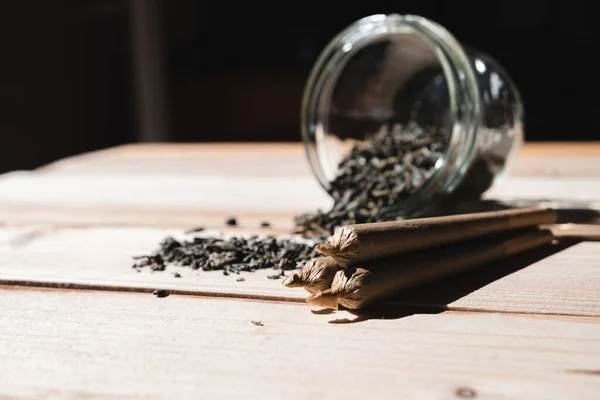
78,323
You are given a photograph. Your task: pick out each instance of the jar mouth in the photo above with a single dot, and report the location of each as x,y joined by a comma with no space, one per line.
463,96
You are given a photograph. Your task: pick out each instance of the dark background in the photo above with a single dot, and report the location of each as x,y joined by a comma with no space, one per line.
220,71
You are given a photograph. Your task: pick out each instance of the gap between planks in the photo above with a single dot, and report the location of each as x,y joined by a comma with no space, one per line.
419,308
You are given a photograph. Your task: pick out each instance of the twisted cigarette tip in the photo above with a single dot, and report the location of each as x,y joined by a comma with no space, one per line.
294,280
341,246
347,290
325,299
316,275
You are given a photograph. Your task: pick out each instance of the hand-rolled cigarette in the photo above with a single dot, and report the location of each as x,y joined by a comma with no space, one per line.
364,283
315,276
355,243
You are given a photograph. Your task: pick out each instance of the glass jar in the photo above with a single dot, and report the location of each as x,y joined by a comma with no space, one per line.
404,72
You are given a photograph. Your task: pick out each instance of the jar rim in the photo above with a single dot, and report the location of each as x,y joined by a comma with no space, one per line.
463,89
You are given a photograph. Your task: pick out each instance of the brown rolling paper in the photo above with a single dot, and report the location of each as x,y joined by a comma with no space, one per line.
355,243
364,283
315,276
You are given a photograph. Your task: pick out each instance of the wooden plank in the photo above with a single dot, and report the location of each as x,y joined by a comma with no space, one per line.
184,218
208,192
555,166
553,149
198,152
173,200
184,203
535,159
102,258
567,282
78,345
159,200
181,184
188,159
213,192
567,189
166,185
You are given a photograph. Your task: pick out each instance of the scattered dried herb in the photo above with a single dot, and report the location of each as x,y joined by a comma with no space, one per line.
156,262
376,175
160,293
265,224
277,276
231,221
195,230
258,323
230,255
240,279
176,275
465,393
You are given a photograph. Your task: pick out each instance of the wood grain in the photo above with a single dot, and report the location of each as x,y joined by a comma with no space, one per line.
587,232
565,283
568,189
535,159
77,222
188,159
560,149
171,185
205,201
561,283
101,258
157,200
80,345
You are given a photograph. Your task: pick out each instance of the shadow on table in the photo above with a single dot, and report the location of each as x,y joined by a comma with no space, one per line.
433,298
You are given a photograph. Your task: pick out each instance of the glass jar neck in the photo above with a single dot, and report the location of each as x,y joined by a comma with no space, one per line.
464,109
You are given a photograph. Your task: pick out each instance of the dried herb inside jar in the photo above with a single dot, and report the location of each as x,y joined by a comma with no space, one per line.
376,175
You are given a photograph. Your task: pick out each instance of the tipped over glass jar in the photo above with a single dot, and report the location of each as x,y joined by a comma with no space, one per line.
398,117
